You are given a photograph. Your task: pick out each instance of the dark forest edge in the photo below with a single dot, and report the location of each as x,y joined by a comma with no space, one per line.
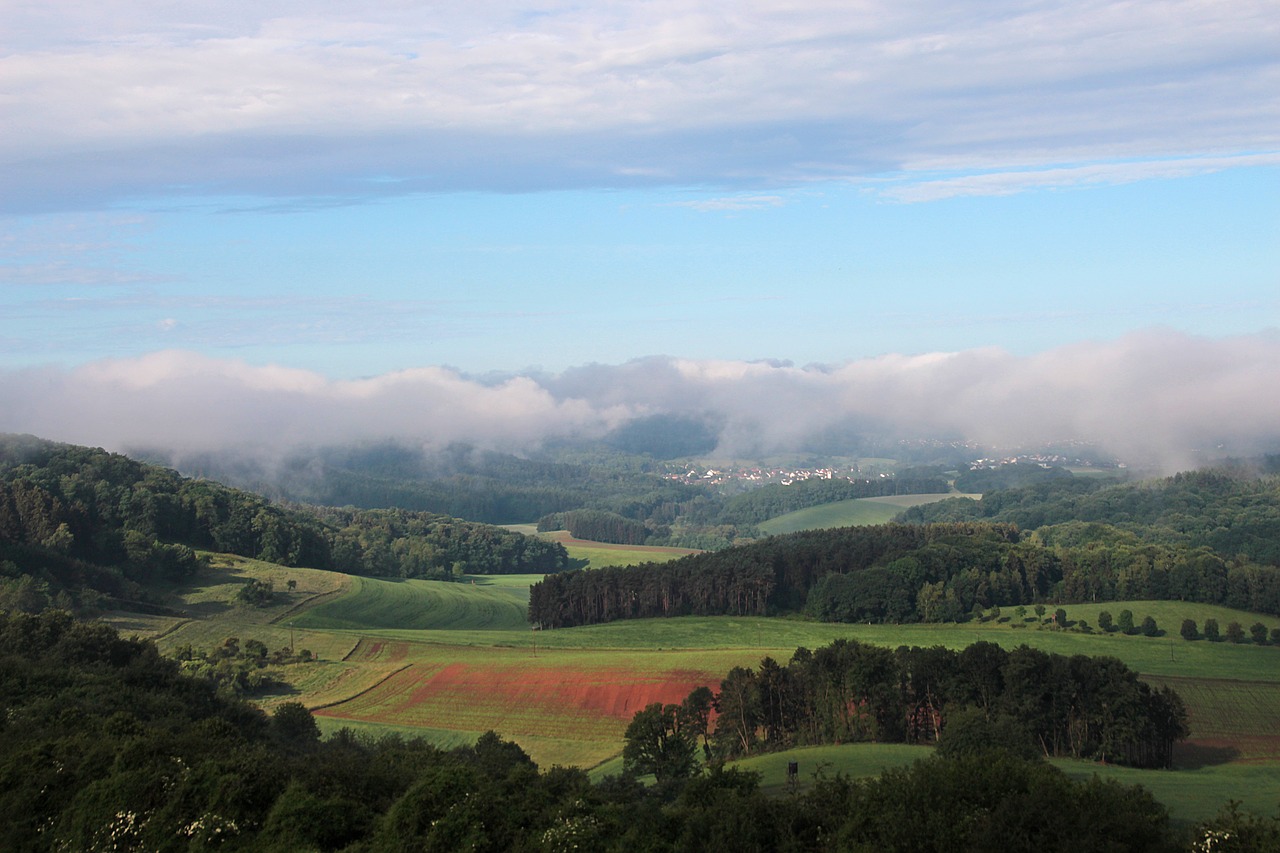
1204,536
1027,701
904,573
81,528
612,480
106,745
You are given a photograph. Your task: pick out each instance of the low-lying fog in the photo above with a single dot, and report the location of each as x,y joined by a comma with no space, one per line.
1155,397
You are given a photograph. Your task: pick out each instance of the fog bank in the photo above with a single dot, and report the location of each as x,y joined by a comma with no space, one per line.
1155,397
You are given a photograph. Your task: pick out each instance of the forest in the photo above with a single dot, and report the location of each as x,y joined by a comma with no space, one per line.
1205,536
613,492
1032,702
81,526
1234,510
107,746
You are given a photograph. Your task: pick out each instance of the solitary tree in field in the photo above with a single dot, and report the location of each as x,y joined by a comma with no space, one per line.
1211,629
1104,621
1149,627
1060,618
1189,630
1235,632
1259,633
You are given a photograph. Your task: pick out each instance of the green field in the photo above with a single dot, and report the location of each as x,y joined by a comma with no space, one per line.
476,603
584,554
448,661
848,513
1190,794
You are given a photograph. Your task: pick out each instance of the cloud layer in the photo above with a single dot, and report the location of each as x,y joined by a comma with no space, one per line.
1151,397
335,100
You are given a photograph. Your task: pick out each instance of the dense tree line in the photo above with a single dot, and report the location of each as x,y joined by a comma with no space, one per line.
772,575
1077,706
1234,512
776,499
402,543
597,525
498,488
460,481
106,745
81,522
909,573
1009,476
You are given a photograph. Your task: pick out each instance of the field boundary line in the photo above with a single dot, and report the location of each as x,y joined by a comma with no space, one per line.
1210,679
307,603
351,651
175,626
360,693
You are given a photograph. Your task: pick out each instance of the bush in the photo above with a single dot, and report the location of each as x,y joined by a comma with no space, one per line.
1211,629
1125,622
1189,630
257,593
1258,632
1149,627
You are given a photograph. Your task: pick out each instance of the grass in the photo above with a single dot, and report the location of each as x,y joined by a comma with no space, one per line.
1190,795
856,761
423,606
857,511
585,554
448,661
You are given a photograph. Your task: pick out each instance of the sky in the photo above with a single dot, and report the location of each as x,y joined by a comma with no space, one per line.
504,222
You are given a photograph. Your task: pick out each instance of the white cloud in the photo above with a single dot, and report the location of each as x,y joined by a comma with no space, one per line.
300,99
1149,396
1070,177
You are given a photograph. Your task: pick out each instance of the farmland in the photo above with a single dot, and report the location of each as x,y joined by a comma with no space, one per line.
449,661
584,554
847,513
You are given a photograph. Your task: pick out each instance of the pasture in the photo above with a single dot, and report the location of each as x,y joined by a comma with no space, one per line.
585,554
1190,794
857,511
448,661
419,605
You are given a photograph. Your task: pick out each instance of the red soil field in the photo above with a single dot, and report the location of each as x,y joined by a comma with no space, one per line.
589,703
367,651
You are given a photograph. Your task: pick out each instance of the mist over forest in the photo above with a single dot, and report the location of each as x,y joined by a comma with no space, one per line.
1162,400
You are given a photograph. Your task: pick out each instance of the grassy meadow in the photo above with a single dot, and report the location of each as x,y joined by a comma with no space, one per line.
448,661
856,511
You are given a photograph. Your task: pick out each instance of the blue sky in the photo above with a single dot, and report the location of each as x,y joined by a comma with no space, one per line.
508,190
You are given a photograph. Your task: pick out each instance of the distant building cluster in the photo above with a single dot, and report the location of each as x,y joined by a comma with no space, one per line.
763,476
1044,460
